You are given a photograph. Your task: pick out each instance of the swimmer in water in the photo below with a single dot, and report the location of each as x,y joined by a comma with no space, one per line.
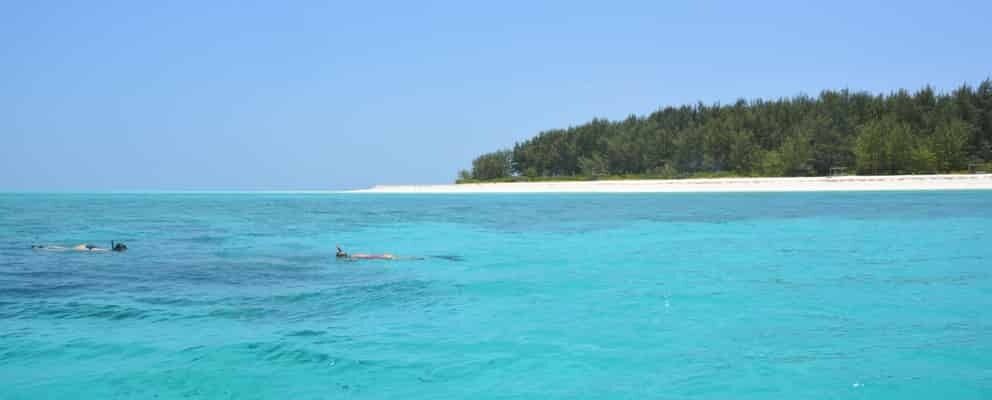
341,255
118,247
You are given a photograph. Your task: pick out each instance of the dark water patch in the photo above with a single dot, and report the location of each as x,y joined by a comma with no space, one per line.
171,301
326,304
959,279
782,283
94,349
33,274
298,297
196,276
286,353
192,349
41,289
333,302
329,339
243,313
251,270
306,333
212,240
24,352
448,257
11,333
78,310
384,294
12,263
300,356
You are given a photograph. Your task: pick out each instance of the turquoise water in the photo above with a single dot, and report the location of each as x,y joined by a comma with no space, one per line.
704,296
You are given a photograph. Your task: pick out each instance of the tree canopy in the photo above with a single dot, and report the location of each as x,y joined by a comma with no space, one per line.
901,132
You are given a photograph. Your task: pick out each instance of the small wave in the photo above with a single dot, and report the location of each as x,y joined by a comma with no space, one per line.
169,301
206,239
76,310
42,290
297,297
243,313
306,333
283,352
448,257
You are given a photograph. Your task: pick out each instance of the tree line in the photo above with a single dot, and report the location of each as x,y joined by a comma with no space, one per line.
901,132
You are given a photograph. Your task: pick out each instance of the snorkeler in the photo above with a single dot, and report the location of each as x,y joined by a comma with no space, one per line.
342,255
118,247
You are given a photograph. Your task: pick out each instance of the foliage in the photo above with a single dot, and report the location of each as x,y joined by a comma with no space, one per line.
949,141
884,146
923,160
901,132
593,165
772,164
493,165
796,155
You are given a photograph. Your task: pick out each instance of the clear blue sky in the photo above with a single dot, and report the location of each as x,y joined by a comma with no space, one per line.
99,95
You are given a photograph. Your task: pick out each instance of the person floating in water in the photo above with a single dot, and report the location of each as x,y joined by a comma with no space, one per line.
118,247
341,255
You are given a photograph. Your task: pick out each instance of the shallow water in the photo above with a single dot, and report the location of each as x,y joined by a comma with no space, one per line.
744,296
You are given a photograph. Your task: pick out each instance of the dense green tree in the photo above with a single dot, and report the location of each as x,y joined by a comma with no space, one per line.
593,165
870,148
493,165
884,146
923,160
949,142
742,157
771,164
902,132
796,155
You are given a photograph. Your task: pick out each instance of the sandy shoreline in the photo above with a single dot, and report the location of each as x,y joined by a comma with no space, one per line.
804,184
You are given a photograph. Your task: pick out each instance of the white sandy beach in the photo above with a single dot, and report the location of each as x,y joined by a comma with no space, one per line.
805,184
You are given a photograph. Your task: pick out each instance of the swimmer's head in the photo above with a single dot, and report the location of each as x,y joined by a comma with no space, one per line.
118,246
340,253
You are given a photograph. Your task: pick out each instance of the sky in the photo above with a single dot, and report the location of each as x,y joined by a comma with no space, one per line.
298,95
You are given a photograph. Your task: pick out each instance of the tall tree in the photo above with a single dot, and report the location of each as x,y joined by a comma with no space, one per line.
948,144
493,165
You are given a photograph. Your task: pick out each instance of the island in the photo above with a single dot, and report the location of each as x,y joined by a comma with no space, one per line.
835,134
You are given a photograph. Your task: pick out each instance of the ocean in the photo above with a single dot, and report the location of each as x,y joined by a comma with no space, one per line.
530,296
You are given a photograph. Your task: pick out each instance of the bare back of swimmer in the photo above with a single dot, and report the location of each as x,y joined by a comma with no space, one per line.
360,256
83,247
372,257
342,255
